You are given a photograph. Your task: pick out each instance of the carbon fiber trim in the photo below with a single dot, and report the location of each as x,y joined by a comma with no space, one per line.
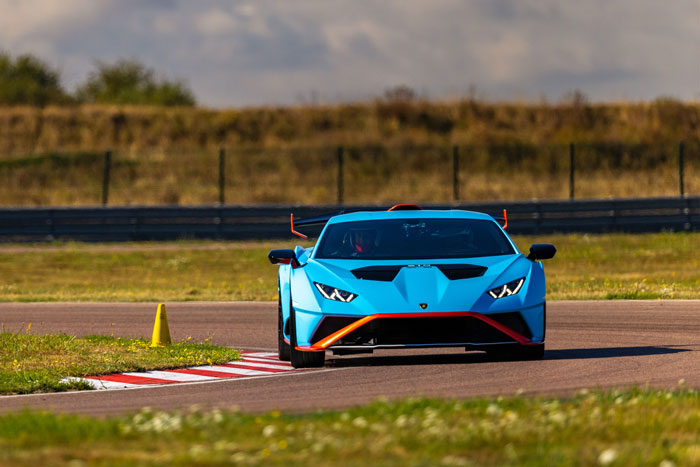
514,321
439,331
331,324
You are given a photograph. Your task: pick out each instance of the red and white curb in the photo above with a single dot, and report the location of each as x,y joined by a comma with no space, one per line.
252,364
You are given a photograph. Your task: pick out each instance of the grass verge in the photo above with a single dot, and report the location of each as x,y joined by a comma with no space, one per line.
622,266
611,266
30,363
635,427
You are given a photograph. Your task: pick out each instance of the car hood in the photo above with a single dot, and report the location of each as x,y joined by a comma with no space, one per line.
417,285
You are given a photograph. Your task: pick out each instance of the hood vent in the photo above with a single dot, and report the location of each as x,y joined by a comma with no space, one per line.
377,273
461,271
388,273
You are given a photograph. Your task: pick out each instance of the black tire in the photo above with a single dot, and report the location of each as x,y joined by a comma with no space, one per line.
531,352
500,352
300,358
307,359
516,352
283,349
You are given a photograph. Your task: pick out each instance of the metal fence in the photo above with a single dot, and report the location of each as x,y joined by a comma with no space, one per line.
458,160
353,175
266,222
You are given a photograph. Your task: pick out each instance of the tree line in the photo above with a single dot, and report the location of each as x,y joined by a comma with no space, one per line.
27,80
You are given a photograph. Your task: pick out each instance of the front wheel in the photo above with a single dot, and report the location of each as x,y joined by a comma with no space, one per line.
304,359
283,349
516,352
532,352
299,358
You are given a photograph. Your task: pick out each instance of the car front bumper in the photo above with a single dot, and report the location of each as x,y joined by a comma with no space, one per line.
422,329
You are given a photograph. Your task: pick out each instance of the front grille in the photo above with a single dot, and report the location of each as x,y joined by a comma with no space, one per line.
424,331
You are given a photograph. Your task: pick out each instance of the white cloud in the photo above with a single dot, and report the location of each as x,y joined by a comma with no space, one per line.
271,51
165,25
215,22
504,57
22,18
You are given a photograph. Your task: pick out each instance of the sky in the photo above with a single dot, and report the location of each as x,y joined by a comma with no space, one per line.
287,52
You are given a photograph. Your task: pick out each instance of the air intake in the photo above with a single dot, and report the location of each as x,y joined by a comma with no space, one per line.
377,273
461,271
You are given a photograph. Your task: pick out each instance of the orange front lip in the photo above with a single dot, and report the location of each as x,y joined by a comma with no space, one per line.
327,341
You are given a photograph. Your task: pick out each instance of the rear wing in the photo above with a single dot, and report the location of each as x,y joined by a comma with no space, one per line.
318,220
503,219
324,218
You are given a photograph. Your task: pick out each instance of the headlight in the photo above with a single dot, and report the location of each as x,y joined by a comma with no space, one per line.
331,293
506,290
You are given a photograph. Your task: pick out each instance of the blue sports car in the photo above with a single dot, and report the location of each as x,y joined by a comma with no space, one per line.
408,278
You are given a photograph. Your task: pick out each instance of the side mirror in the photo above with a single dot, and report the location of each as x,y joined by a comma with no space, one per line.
283,257
541,251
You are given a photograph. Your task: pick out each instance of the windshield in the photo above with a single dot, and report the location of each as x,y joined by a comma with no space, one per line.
413,239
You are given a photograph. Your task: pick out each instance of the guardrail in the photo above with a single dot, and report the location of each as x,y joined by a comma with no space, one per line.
266,222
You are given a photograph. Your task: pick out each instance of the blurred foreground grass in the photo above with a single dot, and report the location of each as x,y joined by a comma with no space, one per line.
32,363
611,266
635,427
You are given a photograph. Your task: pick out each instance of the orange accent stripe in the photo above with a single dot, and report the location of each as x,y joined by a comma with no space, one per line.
505,219
324,343
405,207
291,221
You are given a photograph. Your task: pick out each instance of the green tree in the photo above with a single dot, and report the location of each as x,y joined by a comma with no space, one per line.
27,80
130,82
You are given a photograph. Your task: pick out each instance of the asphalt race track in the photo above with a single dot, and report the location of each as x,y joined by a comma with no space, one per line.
589,344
